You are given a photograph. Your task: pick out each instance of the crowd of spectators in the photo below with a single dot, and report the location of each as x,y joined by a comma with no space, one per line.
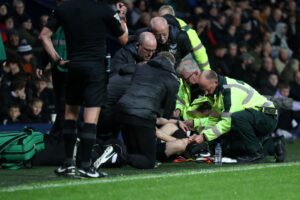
23,97
251,40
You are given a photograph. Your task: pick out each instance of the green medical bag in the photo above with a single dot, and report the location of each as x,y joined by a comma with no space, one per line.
17,148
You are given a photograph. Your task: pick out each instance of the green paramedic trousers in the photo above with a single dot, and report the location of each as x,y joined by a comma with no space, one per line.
251,132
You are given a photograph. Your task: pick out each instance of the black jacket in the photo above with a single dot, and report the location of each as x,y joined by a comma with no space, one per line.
119,83
124,57
153,91
178,42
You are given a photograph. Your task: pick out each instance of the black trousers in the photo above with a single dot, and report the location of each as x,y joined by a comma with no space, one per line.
108,126
250,130
286,117
141,145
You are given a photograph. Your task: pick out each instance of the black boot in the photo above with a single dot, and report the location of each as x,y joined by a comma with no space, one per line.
279,149
250,158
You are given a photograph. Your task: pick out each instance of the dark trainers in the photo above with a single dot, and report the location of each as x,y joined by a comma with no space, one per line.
197,150
250,158
279,151
66,169
108,156
91,172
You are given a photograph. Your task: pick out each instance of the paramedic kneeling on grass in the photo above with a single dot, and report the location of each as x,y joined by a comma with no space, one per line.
248,116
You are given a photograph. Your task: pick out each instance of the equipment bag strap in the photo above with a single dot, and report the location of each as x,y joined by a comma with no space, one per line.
12,140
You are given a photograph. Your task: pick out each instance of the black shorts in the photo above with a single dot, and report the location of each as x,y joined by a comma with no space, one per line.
86,84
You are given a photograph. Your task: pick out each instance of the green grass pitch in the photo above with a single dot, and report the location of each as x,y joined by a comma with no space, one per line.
169,181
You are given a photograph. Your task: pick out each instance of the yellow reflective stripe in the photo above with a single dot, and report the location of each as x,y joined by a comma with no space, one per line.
203,64
216,131
226,114
250,92
249,97
196,48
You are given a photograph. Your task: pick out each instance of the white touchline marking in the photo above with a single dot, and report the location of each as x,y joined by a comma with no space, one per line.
144,177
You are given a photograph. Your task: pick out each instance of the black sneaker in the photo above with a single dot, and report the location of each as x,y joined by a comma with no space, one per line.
195,150
279,152
66,169
91,172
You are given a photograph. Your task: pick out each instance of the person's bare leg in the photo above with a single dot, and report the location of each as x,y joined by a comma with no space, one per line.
91,115
71,112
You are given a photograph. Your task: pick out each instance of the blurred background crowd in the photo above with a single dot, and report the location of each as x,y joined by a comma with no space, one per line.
251,40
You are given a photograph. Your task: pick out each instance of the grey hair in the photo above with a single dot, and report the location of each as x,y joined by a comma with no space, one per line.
168,55
166,9
187,64
210,75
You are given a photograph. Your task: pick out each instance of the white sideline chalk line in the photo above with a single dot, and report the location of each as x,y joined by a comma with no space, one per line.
144,177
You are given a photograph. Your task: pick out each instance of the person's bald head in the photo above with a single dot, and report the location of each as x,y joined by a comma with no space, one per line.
147,38
160,28
146,45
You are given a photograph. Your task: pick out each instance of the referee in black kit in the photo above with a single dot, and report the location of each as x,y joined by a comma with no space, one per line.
85,23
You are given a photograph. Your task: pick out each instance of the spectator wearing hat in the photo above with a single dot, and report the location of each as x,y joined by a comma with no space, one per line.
27,58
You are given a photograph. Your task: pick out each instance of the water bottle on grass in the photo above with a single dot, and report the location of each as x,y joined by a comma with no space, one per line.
218,154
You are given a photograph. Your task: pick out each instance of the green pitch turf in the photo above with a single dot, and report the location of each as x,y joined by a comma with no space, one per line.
168,181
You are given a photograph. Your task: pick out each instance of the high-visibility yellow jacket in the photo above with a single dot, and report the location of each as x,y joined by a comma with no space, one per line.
198,49
189,109
232,96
